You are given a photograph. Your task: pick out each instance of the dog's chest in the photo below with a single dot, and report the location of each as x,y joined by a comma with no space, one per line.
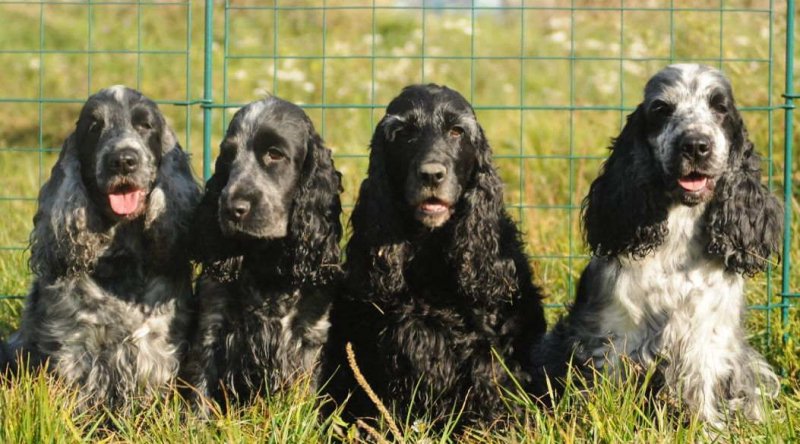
668,301
278,332
122,268
109,344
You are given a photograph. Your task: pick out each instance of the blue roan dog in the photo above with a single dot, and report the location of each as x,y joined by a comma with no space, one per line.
112,279
676,219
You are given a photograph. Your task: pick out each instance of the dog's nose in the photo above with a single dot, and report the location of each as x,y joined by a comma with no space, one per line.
237,209
124,161
432,173
696,146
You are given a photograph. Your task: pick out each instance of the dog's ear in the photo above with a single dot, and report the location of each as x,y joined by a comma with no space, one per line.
315,228
377,246
69,231
171,203
481,230
624,211
744,220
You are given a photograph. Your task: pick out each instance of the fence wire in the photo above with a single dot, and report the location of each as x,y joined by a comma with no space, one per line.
551,82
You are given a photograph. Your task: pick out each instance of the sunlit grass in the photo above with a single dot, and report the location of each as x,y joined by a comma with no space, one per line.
548,116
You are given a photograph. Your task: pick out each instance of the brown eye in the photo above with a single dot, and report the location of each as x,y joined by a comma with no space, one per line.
661,108
718,103
456,132
273,154
96,126
144,126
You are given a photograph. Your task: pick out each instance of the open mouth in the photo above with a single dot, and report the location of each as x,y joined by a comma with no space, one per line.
126,200
434,206
693,182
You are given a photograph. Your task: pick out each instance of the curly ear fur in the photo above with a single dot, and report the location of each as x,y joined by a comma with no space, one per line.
377,245
171,202
315,228
69,233
481,221
744,220
624,211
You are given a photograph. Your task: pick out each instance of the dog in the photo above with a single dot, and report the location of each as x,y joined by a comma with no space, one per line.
267,233
438,290
108,308
676,219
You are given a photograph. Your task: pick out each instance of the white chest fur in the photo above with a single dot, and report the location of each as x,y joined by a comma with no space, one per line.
678,305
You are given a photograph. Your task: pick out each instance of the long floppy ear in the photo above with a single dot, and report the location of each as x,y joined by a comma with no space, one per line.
171,203
68,231
378,246
315,228
481,228
744,220
624,211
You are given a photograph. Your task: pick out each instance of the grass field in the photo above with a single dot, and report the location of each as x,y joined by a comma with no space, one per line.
549,117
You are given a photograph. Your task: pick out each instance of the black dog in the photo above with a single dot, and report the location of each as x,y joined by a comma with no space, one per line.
437,281
267,234
109,305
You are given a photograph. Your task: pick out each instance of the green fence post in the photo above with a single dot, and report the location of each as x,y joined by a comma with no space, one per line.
208,98
789,95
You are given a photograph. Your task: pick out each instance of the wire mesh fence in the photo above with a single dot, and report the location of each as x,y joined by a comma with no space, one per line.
551,82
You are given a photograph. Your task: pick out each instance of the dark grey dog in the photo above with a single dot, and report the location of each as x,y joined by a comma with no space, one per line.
267,234
112,278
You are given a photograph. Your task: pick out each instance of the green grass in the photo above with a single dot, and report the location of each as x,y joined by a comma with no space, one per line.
547,158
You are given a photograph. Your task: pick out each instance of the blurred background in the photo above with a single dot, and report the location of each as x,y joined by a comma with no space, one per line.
551,81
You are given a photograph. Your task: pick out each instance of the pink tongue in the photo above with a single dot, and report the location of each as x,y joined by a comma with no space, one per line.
433,207
693,183
125,203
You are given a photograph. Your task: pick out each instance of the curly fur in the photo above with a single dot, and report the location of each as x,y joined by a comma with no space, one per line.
427,306
264,299
108,305
665,286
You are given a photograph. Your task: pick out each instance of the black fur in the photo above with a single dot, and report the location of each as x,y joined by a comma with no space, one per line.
425,307
252,277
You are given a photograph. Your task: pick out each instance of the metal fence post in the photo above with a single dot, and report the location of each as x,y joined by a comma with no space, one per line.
208,98
789,95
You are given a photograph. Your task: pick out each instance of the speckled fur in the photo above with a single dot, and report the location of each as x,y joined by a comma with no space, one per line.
666,284
108,305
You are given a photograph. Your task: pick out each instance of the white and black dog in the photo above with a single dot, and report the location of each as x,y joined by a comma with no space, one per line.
676,219
112,277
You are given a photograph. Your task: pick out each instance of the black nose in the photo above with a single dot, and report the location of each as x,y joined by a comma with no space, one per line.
237,209
432,173
124,161
696,146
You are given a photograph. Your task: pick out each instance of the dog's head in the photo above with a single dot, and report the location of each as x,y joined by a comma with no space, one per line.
431,139
691,124
119,138
122,163
686,144
274,180
262,155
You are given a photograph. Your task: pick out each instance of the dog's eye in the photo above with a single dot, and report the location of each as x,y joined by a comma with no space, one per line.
143,126
456,132
403,133
96,126
718,103
274,154
661,108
